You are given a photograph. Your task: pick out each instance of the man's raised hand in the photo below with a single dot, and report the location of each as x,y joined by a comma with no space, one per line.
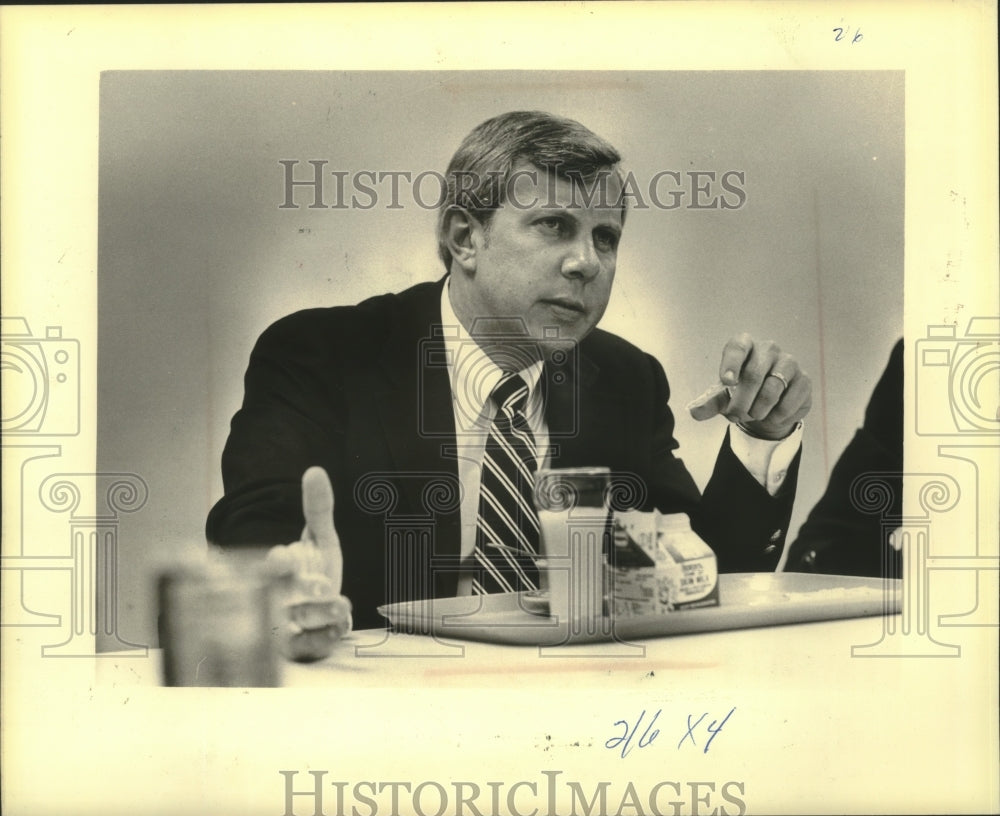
760,387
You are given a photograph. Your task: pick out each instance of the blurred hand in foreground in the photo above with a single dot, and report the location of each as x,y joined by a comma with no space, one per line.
314,615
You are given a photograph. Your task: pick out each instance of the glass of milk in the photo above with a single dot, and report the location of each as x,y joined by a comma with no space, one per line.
574,517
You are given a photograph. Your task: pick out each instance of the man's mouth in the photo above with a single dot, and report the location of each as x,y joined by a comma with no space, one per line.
567,306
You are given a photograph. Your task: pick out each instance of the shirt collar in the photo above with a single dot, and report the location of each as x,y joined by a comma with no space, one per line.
472,373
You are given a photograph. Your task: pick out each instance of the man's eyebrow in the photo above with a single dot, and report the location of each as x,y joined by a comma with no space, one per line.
570,211
545,209
610,225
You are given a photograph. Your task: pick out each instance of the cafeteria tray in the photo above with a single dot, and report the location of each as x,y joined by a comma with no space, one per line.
746,600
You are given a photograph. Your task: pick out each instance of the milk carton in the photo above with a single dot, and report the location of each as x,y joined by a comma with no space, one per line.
660,565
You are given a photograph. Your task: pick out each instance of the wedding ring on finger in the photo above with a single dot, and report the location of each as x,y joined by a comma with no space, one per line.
779,376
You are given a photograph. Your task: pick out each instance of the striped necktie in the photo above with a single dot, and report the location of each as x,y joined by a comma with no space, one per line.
507,523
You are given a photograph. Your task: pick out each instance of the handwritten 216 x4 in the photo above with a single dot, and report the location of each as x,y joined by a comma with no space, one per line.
699,733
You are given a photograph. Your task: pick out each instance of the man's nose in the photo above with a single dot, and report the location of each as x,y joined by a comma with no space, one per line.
582,260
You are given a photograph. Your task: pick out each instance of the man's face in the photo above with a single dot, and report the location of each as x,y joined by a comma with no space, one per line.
548,255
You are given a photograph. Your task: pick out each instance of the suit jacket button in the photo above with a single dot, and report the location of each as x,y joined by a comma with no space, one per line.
776,534
770,548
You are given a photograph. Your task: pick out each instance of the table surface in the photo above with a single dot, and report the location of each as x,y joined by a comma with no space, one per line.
379,658
816,725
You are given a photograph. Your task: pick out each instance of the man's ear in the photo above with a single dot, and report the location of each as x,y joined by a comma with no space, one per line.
462,235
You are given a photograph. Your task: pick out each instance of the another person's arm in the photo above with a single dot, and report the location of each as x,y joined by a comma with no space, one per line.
838,536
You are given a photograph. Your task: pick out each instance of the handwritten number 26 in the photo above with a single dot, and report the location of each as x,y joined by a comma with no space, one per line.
840,33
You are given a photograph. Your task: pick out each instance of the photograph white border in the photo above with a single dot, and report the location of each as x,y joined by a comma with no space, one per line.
130,749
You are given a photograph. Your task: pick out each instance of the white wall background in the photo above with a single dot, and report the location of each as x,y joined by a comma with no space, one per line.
196,258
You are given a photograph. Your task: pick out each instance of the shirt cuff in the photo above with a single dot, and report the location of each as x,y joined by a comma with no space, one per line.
766,460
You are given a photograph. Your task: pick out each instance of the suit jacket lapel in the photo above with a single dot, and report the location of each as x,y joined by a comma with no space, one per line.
586,423
417,419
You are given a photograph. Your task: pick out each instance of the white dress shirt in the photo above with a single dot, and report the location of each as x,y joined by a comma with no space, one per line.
473,377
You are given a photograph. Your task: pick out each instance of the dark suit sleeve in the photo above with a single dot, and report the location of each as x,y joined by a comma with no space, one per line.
838,536
289,420
739,519
745,524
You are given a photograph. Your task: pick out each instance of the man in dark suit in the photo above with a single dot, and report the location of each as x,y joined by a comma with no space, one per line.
393,398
